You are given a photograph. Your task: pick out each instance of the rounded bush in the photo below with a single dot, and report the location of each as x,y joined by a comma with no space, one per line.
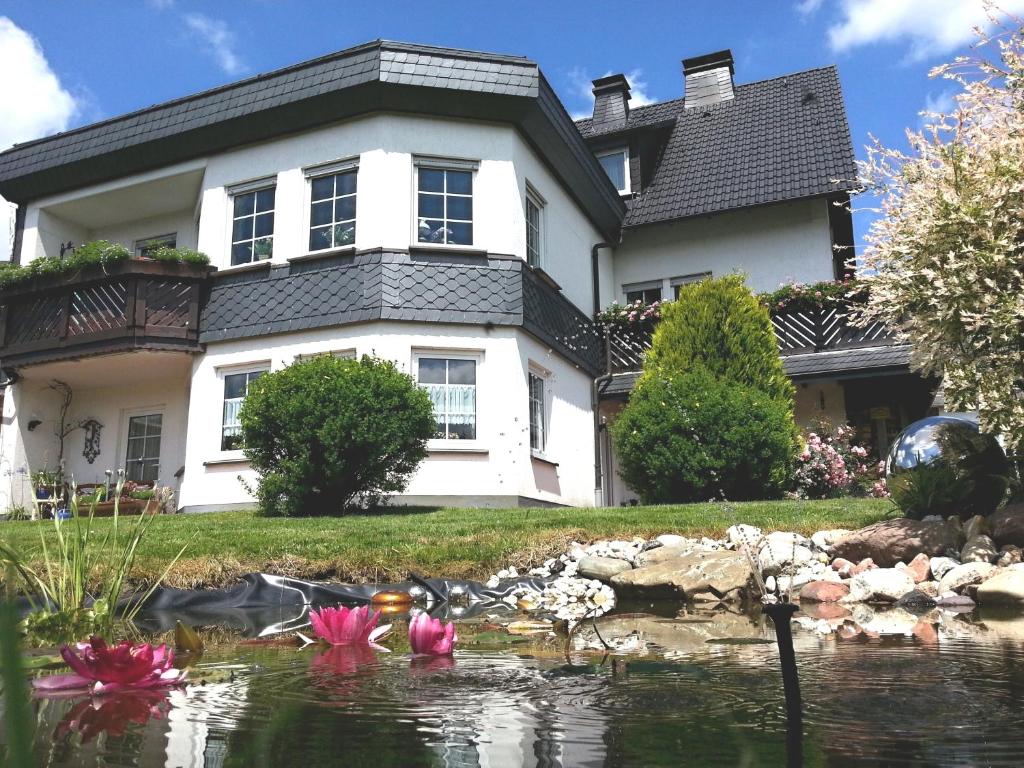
328,435
694,437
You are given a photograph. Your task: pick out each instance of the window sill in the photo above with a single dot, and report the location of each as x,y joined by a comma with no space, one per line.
455,448
252,266
465,250
348,250
539,456
543,275
226,459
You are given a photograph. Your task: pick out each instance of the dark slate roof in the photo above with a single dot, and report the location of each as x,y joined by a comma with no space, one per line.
377,76
619,385
777,140
848,361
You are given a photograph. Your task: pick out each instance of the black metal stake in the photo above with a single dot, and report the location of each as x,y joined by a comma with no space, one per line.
781,615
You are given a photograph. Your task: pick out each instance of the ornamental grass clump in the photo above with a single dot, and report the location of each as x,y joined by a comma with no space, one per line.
329,436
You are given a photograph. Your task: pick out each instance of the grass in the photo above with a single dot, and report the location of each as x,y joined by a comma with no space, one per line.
455,543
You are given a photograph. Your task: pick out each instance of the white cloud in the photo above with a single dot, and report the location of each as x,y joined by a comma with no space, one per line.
221,40
34,103
806,7
582,88
932,27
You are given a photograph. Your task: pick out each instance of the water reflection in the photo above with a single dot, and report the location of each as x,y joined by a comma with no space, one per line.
890,697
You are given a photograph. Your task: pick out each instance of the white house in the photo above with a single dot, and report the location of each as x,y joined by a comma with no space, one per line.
432,206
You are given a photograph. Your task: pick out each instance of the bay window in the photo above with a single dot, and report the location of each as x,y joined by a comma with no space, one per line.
444,201
252,224
332,210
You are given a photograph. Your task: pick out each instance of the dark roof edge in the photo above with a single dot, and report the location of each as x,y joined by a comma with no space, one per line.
345,53
839,190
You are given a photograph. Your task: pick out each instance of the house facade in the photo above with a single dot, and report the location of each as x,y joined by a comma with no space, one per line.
431,206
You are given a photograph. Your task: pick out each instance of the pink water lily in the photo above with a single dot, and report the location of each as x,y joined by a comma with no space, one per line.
430,637
348,626
101,668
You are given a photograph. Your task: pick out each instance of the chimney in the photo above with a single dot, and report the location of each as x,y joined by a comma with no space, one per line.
611,100
708,78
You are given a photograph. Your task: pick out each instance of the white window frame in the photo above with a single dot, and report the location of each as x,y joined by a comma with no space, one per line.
647,285
444,164
349,165
244,188
126,416
169,240
675,282
445,444
262,366
535,372
624,151
534,198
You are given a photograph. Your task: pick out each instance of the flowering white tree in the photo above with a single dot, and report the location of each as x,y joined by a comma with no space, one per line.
944,263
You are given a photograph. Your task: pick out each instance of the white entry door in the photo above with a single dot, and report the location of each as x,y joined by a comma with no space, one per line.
142,455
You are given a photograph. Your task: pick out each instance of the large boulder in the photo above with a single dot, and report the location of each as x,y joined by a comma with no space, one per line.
880,585
889,541
1007,525
965,575
720,572
1006,587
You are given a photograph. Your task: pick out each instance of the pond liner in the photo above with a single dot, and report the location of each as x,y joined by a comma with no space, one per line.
262,604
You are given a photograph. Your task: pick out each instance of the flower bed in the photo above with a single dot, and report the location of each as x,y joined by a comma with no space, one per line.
806,297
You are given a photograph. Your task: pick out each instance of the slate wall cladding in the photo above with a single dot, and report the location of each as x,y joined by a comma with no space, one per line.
390,285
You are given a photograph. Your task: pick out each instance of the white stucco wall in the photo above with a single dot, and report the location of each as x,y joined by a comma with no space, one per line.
181,223
497,463
772,245
30,399
817,401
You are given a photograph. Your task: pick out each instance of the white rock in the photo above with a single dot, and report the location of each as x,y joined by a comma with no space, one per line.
825,539
671,540
737,535
879,585
942,565
778,554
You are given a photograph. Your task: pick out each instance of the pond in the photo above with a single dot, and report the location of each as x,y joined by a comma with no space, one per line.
692,688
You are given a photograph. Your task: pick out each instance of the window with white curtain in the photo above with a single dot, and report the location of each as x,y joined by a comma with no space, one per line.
538,434
236,387
451,384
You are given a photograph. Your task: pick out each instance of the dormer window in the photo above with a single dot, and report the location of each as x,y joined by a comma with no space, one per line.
616,165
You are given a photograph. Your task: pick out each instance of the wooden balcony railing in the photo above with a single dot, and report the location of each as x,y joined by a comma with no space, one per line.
795,333
136,304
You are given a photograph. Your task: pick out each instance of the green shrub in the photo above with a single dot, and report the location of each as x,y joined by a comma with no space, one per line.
929,489
328,435
85,255
692,437
721,326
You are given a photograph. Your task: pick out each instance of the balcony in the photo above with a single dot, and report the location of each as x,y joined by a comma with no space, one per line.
136,304
796,333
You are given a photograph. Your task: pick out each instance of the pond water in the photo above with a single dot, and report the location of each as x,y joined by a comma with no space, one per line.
695,689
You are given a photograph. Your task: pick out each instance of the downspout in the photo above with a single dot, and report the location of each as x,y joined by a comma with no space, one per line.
600,380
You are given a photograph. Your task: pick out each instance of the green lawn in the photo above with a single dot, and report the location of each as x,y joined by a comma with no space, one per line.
468,543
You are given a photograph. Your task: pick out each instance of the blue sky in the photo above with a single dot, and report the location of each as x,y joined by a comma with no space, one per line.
83,61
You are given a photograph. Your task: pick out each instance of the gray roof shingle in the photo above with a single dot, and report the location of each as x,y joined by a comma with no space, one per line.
779,139
893,356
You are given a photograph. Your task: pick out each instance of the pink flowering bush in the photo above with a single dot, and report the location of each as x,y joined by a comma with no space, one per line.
635,314
833,464
804,297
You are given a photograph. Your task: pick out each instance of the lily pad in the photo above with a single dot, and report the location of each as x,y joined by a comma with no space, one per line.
495,638
42,662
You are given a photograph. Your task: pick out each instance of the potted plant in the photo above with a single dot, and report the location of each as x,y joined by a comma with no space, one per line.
44,481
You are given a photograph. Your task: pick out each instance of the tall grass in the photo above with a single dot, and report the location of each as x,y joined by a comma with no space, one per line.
76,558
17,713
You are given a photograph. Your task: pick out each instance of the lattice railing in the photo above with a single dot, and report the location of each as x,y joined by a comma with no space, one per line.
824,329
137,303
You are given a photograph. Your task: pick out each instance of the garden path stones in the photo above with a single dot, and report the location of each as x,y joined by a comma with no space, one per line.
721,572
964,575
979,549
1006,587
890,541
601,568
880,585
1007,525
